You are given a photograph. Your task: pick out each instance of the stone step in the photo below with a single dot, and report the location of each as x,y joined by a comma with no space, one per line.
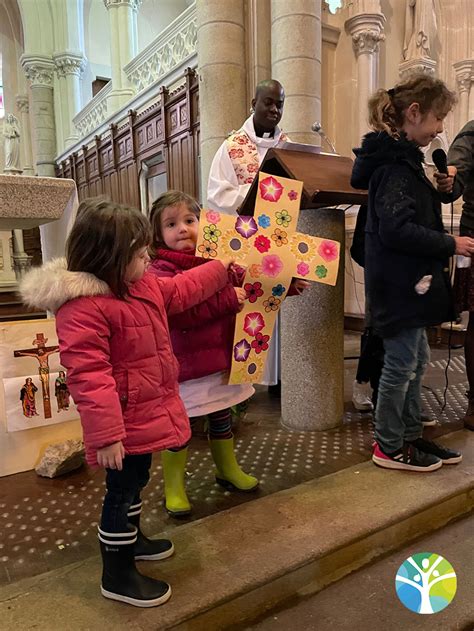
233,565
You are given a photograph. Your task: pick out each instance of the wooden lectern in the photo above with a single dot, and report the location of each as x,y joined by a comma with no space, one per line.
312,325
326,178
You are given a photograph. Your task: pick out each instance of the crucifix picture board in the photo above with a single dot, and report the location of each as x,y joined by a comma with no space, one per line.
35,406
39,396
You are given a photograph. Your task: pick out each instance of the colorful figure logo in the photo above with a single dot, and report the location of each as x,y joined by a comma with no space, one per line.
426,583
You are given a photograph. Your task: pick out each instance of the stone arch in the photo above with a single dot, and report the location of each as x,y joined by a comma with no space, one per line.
37,21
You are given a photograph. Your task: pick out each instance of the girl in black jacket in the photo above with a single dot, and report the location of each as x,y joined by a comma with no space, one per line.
406,261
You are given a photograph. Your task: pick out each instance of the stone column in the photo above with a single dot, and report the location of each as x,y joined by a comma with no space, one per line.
223,101
25,145
296,64
69,67
463,80
366,32
312,340
259,47
124,47
39,71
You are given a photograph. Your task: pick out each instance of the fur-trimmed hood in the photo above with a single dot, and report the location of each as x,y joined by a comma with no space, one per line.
50,286
378,149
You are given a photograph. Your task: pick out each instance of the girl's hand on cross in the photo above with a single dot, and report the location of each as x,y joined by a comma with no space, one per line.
227,262
241,295
111,456
300,285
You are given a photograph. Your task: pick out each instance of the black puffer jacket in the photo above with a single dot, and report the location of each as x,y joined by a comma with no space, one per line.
404,236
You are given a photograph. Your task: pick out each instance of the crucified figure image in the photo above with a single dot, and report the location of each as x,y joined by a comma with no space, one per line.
41,353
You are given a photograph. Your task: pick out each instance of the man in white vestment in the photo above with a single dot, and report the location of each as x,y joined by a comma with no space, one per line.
238,159
234,168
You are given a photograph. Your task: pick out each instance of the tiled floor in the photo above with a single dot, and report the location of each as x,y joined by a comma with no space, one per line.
45,524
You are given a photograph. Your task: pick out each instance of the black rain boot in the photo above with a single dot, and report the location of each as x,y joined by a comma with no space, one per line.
120,578
148,549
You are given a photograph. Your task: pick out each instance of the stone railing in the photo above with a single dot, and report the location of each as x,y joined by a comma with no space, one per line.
94,113
173,47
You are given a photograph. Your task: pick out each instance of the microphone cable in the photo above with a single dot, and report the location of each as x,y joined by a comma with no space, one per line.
452,268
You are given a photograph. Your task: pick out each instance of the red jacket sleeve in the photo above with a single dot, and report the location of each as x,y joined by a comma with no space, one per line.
192,287
222,303
84,344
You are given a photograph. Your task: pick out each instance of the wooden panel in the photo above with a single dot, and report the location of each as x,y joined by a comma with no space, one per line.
112,165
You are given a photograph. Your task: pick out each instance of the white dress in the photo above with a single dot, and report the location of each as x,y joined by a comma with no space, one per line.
212,393
225,194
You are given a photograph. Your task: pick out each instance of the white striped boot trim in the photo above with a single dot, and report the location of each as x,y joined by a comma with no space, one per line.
135,509
118,538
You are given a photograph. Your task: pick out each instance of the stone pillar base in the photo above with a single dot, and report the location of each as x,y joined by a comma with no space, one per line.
312,340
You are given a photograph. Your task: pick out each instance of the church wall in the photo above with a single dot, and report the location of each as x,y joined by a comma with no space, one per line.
154,16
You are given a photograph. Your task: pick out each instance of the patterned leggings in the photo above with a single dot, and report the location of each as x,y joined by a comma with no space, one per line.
220,425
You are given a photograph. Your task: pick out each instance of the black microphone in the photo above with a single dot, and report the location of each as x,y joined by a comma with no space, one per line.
439,158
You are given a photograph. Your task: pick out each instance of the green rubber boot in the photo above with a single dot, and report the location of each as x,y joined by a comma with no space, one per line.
228,472
174,464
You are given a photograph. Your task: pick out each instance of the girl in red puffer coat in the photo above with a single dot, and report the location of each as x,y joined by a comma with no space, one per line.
111,320
202,338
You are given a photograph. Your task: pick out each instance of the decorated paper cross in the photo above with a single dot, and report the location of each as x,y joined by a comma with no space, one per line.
268,245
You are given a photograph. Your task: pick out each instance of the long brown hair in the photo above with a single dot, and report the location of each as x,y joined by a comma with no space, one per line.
170,198
387,107
104,240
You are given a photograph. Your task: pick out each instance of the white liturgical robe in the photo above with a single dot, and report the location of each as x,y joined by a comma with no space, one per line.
224,193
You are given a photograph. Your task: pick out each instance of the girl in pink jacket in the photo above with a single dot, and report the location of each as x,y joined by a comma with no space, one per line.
112,325
202,340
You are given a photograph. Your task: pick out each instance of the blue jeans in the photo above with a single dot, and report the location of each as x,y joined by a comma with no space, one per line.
123,490
397,416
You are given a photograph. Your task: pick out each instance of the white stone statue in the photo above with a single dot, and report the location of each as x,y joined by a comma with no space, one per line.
11,131
420,29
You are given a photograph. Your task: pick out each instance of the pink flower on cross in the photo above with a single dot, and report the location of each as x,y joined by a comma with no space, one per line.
302,269
270,189
212,216
271,265
328,250
253,323
293,195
